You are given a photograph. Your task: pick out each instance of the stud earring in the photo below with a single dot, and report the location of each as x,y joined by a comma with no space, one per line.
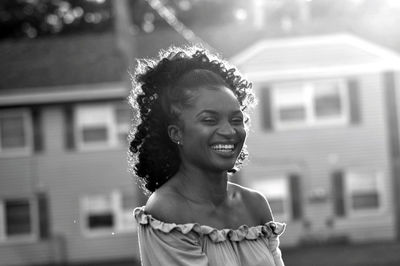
178,142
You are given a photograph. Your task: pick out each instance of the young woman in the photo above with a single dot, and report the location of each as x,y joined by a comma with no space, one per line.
187,138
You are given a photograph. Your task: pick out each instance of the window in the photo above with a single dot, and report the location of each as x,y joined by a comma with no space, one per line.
122,115
101,125
363,191
98,213
276,190
15,131
126,220
108,214
16,219
319,102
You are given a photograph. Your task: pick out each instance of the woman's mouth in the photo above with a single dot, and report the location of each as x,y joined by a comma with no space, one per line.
223,148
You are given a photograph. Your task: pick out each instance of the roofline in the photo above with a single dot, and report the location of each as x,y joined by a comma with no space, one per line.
318,72
345,38
86,92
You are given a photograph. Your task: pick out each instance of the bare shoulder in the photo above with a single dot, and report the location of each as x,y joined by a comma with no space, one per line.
255,201
165,205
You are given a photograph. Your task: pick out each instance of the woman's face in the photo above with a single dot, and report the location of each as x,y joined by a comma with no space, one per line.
212,130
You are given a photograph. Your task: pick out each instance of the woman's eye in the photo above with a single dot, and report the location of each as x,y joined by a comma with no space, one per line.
237,120
209,120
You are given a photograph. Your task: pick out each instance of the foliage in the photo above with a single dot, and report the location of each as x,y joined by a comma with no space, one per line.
34,18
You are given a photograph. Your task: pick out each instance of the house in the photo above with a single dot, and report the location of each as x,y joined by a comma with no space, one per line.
324,144
65,193
327,167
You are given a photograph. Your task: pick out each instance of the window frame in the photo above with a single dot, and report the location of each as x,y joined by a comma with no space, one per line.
379,176
116,210
34,216
28,130
309,88
287,205
111,124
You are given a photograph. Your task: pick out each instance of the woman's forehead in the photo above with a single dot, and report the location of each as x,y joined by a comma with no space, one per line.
216,97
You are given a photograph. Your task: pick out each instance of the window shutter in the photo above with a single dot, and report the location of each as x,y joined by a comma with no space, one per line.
37,129
69,127
338,193
44,218
354,101
266,108
296,198
389,80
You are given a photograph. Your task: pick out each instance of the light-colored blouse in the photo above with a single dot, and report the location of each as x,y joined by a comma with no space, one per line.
193,244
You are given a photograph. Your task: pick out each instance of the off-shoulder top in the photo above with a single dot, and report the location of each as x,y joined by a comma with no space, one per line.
193,244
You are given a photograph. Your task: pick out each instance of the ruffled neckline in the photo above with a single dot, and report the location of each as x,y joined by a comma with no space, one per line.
244,232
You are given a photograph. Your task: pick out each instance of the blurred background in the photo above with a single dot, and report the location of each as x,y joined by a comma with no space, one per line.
324,144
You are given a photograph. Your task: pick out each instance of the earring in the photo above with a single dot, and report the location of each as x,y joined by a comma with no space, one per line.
178,142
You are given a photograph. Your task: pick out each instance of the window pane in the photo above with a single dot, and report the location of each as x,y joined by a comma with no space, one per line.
290,94
12,132
95,134
123,138
365,201
128,201
362,182
98,221
327,100
295,113
18,219
277,206
122,113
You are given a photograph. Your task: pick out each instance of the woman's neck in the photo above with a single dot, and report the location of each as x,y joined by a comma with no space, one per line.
202,187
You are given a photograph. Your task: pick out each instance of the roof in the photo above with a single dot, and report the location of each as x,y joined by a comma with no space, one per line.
45,69
79,64
314,54
52,62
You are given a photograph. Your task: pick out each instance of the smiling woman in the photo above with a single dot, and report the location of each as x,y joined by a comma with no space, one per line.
188,136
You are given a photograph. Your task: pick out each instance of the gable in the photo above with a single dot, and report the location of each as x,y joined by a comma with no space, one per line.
314,53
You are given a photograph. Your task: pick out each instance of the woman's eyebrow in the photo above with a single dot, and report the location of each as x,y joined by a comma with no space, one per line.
214,112
207,111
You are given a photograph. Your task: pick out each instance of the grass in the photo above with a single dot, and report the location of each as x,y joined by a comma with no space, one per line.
377,254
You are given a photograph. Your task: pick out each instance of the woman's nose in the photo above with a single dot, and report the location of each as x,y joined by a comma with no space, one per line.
226,129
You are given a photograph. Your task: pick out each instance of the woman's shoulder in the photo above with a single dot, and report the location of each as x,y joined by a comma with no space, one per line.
254,200
166,205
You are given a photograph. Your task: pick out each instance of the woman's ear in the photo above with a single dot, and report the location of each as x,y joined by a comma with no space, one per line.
175,134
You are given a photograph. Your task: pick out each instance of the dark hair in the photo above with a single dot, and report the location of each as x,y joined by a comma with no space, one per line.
160,90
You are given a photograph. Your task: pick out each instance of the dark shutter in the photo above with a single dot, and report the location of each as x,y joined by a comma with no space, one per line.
266,104
69,127
37,129
389,80
295,193
338,193
44,217
354,101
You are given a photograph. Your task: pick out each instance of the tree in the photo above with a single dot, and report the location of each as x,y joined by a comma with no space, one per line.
35,18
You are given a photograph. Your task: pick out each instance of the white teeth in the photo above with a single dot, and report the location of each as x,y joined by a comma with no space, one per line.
223,147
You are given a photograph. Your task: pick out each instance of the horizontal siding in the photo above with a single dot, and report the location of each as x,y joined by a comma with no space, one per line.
70,175
67,176
40,253
315,152
17,175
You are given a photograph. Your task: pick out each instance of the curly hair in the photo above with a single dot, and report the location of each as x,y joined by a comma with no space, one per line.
159,92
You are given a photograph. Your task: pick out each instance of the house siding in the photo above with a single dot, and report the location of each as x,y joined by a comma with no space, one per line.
70,174
65,176
17,174
315,153
42,252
